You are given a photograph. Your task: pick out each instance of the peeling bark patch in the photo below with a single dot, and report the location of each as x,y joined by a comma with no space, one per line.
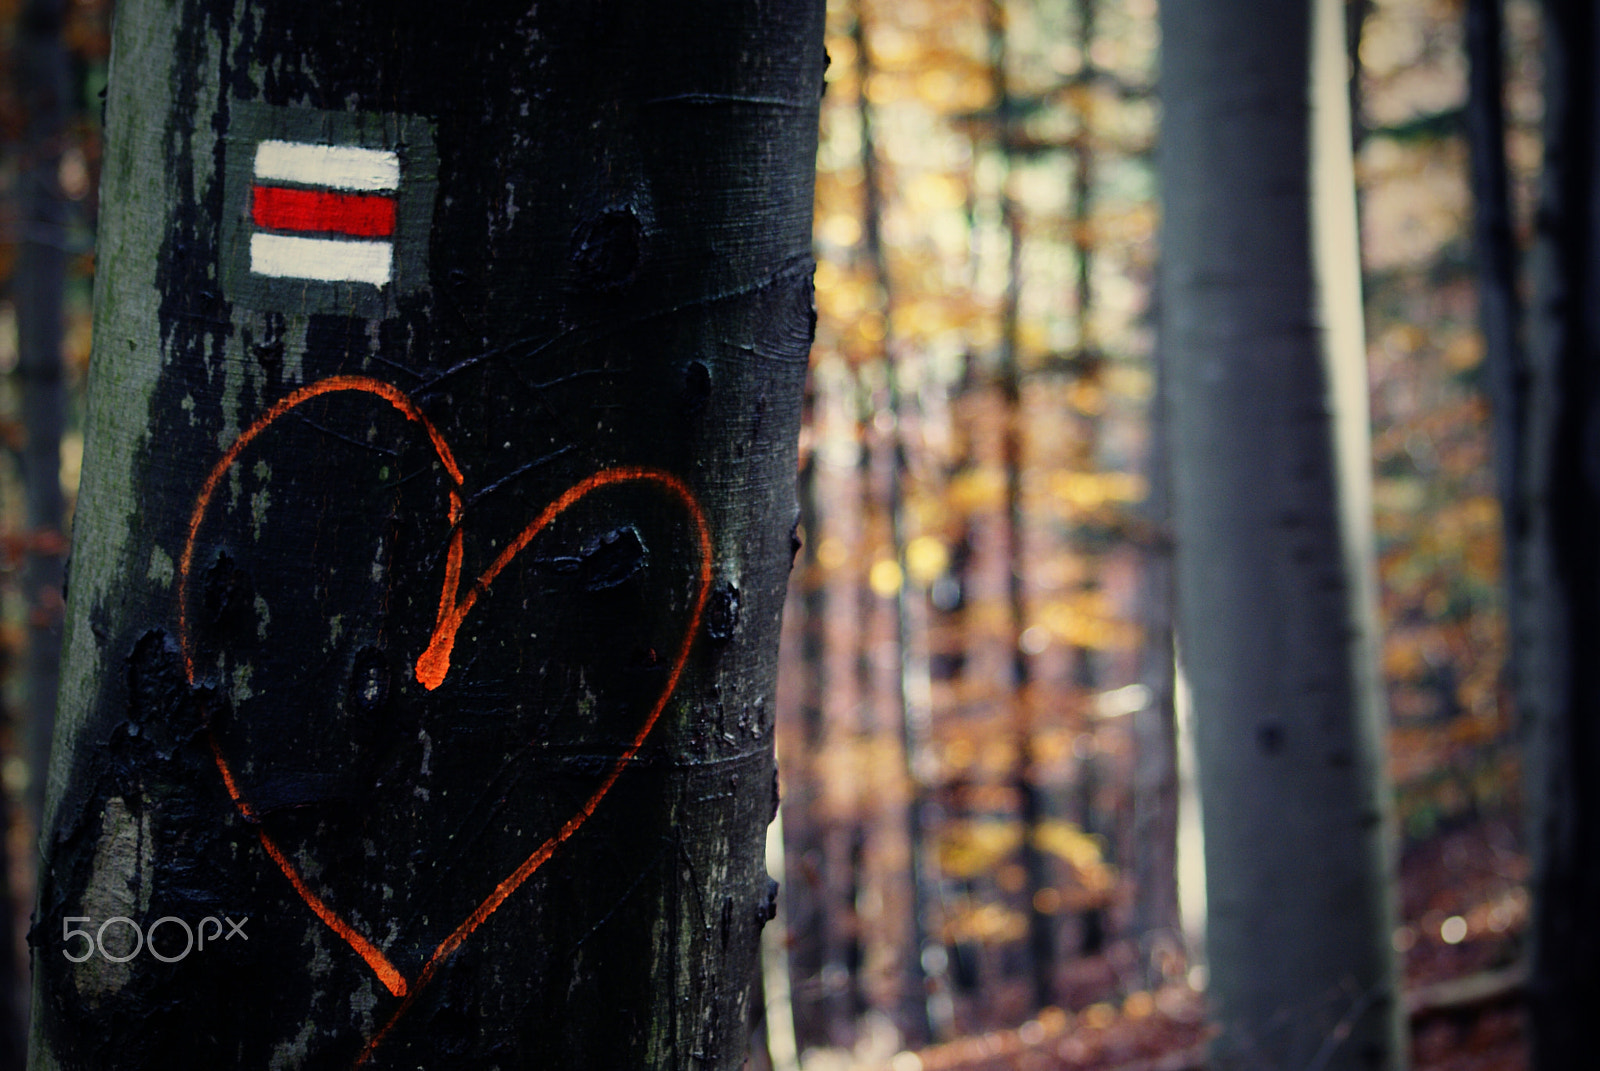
117,888
161,568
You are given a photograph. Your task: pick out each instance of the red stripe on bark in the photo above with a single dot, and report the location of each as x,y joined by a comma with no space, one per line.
354,215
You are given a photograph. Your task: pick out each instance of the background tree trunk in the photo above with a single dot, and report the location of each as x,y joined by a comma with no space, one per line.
1557,585
1261,324
1157,920
44,84
1494,246
426,584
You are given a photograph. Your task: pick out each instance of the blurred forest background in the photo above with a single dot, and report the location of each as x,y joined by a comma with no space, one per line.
987,849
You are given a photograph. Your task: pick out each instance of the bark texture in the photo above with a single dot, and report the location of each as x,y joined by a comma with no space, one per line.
432,624
1261,323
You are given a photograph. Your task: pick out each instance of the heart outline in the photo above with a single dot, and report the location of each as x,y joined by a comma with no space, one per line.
433,665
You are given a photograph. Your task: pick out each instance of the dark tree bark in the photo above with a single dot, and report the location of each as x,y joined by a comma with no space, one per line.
1556,528
438,501
1261,325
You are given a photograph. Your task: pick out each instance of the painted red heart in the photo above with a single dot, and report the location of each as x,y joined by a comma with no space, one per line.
433,664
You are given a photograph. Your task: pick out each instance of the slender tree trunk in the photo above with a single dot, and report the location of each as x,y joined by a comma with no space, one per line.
1557,581
438,500
1031,801
1261,319
1157,920
925,1005
1092,817
14,999
1499,307
43,82
43,85
844,701
804,797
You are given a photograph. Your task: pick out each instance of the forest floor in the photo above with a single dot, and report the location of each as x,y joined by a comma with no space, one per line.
1464,907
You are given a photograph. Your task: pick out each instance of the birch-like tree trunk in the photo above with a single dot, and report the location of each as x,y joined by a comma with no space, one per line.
1261,322
438,500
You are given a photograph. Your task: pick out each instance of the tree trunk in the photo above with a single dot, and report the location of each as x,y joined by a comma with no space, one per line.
1157,920
1030,795
1261,320
924,1014
42,81
438,501
44,84
1494,244
1557,583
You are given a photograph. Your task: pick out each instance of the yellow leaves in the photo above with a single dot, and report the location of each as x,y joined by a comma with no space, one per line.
978,490
1139,1005
1083,852
932,318
1130,381
988,923
1086,397
926,559
1088,619
934,192
1464,351
884,577
1404,656
849,303
844,295
1090,492
840,229
1399,495
955,91
1134,223
1454,527
970,848
1417,201
832,553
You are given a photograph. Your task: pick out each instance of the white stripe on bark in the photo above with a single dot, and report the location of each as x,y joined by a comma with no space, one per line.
324,259
343,167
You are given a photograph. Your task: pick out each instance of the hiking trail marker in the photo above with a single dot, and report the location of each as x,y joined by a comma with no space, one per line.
323,212
327,212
